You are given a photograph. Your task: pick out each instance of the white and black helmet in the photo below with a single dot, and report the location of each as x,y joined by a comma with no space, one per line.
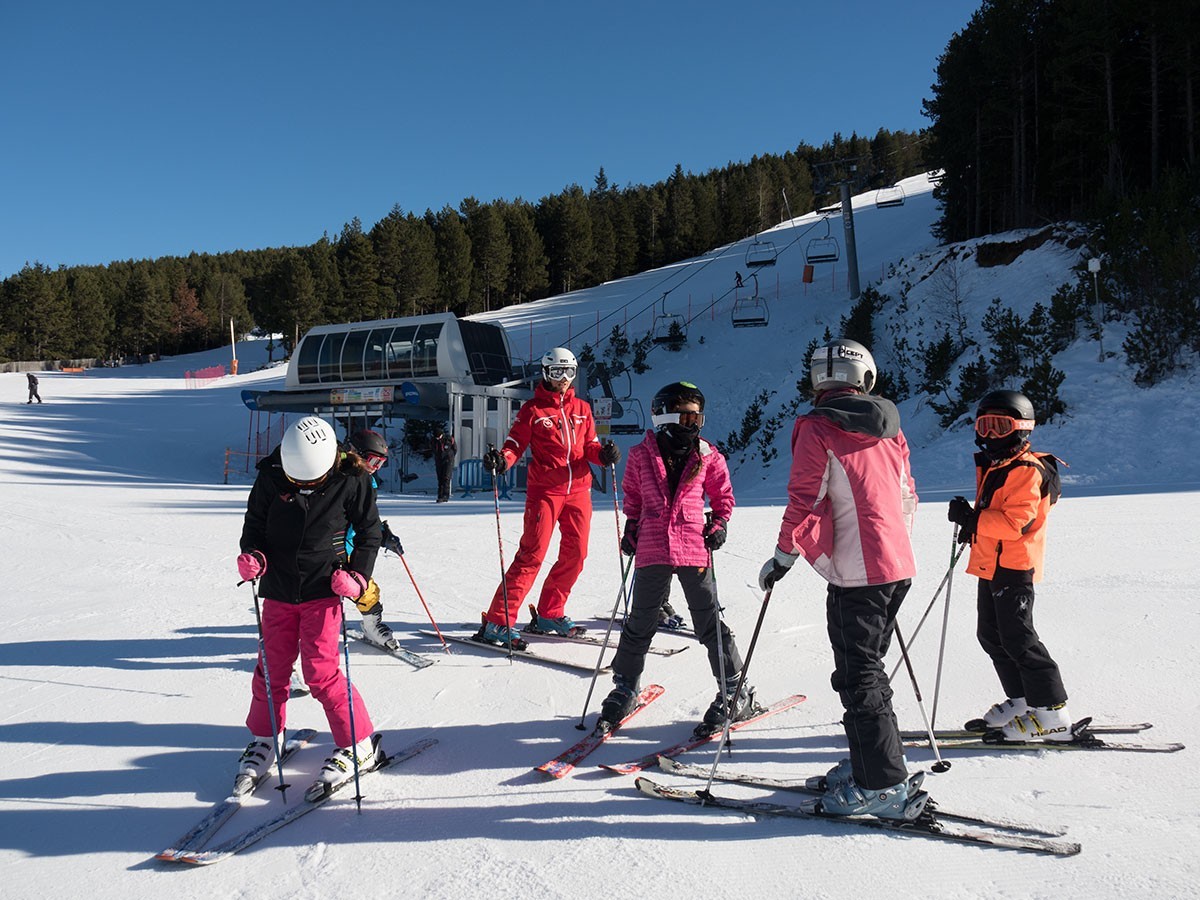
842,363
309,450
558,364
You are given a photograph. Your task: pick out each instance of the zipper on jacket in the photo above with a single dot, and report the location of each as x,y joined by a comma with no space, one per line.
567,436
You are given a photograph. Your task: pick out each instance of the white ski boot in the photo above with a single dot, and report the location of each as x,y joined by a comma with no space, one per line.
339,767
254,763
376,630
1040,723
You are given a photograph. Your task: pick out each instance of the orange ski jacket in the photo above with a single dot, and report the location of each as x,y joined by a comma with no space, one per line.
1013,498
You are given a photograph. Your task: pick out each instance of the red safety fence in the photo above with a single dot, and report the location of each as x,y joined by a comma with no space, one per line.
202,377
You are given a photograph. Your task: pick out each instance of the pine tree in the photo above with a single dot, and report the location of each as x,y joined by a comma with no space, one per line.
359,271
454,259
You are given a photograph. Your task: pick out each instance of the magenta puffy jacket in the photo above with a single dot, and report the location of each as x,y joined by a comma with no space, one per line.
671,531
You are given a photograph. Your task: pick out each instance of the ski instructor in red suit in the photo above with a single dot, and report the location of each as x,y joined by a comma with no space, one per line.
560,433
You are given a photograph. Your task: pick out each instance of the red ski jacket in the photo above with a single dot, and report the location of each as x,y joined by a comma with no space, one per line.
560,433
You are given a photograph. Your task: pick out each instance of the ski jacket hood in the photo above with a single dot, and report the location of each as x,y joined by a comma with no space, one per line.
671,528
303,534
560,433
860,413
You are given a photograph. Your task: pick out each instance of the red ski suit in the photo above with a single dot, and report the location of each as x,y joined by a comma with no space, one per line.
560,433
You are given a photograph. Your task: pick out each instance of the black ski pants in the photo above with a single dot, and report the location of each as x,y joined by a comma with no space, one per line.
860,622
1006,633
651,588
444,468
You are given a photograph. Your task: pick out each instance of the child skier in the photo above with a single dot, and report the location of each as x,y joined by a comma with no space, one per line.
1006,529
302,502
667,477
851,501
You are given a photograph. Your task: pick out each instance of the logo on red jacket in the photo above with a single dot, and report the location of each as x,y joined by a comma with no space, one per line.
545,421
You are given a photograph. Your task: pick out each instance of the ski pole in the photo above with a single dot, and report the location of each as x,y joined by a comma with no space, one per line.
626,567
945,580
262,656
612,467
762,613
720,634
350,702
941,765
500,543
937,683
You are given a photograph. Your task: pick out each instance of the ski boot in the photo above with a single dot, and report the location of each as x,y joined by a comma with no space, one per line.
563,625
505,636
339,767
618,704
743,706
376,630
999,715
253,764
668,619
1040,723
904,801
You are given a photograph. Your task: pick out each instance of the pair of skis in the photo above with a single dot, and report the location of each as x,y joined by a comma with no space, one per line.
1084,736
566,761
190,847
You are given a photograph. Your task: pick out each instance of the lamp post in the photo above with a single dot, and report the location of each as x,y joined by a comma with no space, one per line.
1094,268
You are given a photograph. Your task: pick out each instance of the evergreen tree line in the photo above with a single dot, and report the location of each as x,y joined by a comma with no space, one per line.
1045,110
477,257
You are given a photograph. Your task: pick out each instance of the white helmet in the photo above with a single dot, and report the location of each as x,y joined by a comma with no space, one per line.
309,450
842,363
559,363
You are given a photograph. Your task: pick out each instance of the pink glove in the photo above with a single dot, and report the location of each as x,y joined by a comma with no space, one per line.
251,565
348,583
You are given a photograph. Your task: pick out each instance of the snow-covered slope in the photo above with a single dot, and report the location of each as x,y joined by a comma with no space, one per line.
124,667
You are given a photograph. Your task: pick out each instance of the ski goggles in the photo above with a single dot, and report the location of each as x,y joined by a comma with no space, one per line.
373,462
686,419
996,426
308,485
558,373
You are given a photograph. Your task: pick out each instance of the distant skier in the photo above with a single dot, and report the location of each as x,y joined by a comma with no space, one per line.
560,433
33,388
737,282
1006,529
851,502
444,451
304,499
667,478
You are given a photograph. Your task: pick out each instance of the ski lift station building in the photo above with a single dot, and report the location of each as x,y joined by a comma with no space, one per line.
439,367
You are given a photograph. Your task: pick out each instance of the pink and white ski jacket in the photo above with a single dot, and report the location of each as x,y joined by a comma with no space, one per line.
671,530
851,496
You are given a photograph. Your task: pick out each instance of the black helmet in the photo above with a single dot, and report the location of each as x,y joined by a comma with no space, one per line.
1014,403
677,392
369,445
1003,422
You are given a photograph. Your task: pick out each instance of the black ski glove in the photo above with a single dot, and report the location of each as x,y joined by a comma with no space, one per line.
960,511
610,453
715,533
629,539
494,462
391,542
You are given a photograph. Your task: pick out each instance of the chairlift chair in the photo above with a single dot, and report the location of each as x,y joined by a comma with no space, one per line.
822,249
669,328
761,253
890,196
750,312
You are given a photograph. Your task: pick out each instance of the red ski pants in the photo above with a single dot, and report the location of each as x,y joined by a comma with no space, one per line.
313,630
573,514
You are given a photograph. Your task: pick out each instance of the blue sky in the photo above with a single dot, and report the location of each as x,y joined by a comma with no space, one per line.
137,130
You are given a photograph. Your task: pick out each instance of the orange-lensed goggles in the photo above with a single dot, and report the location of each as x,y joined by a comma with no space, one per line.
373,462
686,418
996,426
